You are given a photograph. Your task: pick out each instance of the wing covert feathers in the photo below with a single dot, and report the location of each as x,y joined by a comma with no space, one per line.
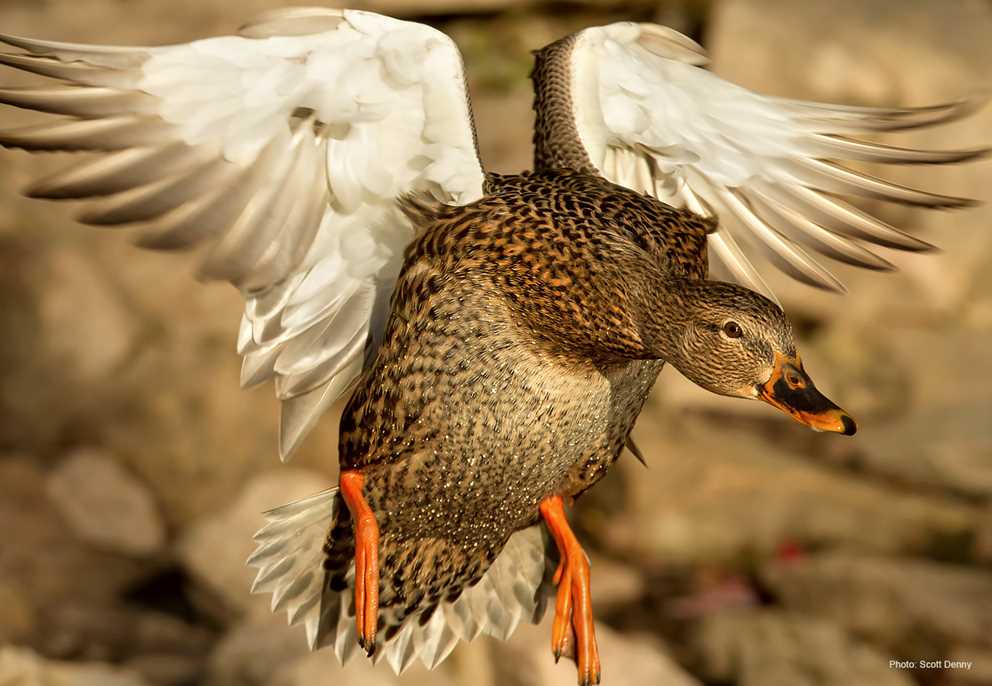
772,169
289,558
281,151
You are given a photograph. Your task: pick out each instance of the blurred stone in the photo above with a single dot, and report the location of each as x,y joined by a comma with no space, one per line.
883,54
507,118
983,537
727,492
930,435
613,583
710,591
21,667
915,604
251,653
978,674
114,632
167,669
23,397
482,664
685,16
214,549
104,505
627,660
772,648
84,319
18,618
45,564
917,429
861,369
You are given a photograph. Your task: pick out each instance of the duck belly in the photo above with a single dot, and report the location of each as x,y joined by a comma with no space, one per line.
462,438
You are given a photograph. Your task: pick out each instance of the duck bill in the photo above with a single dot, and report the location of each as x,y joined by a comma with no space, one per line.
792,391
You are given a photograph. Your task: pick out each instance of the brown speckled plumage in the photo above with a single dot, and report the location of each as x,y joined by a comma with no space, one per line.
556,140
512,368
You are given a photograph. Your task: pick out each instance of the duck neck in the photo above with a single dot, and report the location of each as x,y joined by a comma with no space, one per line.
667,319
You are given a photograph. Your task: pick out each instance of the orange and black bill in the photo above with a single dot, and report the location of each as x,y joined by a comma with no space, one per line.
791,390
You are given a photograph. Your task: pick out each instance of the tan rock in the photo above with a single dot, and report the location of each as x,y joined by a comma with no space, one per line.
718,492
968,666
614,584
983,539
504,121
85,320
18,617
214,549
166,669
43,561
918,429
772,648
892,601
125,633
22,667
104,505
251,653
627,660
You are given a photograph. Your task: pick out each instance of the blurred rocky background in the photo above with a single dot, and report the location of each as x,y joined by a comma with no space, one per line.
751,552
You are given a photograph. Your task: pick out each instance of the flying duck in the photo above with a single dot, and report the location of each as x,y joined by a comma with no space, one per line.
495,336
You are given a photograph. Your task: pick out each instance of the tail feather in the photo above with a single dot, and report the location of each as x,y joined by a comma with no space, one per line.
290,563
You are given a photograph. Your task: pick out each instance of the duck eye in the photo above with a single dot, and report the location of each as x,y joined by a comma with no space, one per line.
732,329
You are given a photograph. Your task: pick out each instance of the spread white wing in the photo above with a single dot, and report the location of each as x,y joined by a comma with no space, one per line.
648,117
282,151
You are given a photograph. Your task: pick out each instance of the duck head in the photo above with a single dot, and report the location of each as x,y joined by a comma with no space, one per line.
735,342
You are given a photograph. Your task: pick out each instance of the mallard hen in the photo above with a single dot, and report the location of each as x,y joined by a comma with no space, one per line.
496,335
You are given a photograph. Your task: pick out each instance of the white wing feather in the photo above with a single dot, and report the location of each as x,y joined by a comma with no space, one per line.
289,555
284,153
649,118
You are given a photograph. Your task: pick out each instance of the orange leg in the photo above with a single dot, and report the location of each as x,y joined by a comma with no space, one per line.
573,608
366,558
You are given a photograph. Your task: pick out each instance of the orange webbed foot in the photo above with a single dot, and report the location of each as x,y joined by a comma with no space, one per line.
561,629
366,559
573,607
